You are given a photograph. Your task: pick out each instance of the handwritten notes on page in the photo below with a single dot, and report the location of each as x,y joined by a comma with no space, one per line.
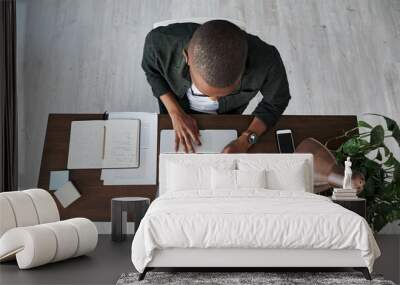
146,173
121,144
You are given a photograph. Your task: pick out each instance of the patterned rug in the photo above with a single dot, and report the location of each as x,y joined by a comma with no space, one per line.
244,278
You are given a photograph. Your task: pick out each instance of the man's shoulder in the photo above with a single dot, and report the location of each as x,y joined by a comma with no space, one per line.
260,49
173,33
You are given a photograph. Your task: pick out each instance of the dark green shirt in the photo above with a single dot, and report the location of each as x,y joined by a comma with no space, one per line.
166,70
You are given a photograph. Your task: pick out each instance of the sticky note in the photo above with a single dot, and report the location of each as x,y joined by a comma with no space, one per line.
58,179
67,194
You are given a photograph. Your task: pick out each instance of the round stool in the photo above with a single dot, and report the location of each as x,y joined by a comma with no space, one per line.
120,208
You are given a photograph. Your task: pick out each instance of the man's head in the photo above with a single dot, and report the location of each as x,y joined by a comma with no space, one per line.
217,56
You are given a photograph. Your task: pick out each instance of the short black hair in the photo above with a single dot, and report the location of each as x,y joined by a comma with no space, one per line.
219,52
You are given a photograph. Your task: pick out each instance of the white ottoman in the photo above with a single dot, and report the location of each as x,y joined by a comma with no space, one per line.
31,233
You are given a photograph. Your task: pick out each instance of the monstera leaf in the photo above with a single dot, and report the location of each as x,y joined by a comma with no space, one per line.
377,135
391,126
362,124
396,174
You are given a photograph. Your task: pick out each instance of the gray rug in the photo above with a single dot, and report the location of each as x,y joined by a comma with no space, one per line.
243,278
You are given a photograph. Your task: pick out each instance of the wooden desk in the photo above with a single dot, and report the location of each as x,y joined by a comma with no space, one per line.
96,198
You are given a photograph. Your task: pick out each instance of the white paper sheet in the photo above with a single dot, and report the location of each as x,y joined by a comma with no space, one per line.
121,141
146,173
86,145
67,194
212,141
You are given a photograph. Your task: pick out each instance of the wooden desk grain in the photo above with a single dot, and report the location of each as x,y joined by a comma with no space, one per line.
95,197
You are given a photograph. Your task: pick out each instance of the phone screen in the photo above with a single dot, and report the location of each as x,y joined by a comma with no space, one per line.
285,143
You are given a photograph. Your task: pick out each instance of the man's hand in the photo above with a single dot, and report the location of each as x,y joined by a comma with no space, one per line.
186,131
240,145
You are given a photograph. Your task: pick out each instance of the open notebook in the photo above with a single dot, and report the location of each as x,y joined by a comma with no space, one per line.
104,144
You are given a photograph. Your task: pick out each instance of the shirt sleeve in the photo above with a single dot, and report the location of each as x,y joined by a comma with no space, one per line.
275,92
152,69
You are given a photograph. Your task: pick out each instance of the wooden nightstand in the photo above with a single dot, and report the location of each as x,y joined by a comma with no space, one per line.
358,205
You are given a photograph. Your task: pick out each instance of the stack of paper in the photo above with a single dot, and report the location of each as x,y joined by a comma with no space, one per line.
344,194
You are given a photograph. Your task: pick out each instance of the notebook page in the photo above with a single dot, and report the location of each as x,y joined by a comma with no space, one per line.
121,144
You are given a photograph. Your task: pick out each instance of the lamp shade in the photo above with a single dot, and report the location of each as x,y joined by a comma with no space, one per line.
327,172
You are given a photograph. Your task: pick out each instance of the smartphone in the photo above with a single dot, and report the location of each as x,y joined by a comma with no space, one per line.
284,140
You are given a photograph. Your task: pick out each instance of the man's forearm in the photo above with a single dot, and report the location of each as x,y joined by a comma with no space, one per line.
169,101
257,126
242,144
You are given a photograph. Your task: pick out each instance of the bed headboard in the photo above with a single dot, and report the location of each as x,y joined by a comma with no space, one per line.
260,158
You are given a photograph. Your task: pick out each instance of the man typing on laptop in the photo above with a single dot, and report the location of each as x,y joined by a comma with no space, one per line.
214,68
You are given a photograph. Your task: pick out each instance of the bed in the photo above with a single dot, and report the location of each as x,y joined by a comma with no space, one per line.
245,211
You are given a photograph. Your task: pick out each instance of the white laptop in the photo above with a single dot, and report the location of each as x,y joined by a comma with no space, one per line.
212,141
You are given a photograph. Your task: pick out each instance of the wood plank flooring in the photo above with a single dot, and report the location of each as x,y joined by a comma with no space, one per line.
341,56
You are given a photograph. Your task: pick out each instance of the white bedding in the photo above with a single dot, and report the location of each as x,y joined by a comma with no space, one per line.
253,218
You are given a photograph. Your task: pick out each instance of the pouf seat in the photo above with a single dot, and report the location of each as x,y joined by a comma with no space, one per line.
31,233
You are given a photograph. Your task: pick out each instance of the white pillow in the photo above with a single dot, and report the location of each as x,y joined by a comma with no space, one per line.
184,177
189,176
282,174
294,179
228,179
223,179
251,178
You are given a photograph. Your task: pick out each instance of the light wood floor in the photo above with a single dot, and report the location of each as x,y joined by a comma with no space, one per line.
341,56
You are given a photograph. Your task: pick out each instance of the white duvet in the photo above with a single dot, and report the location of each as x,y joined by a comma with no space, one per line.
250,219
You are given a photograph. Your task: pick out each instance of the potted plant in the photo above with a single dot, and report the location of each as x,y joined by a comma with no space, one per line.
367,147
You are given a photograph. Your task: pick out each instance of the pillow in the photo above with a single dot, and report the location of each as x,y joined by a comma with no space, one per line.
228,179
251,178
188,176
184,177
281,174
294,179
223,179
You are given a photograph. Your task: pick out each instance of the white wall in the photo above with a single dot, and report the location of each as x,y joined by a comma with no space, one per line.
342,57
